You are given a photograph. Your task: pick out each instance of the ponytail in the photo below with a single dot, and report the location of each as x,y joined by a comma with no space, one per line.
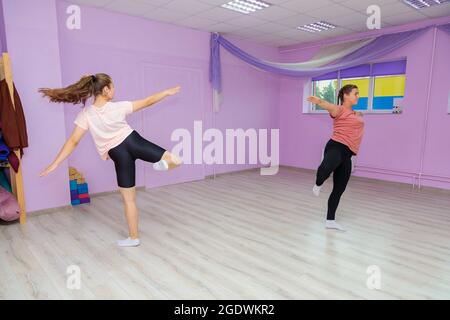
345,89
79,92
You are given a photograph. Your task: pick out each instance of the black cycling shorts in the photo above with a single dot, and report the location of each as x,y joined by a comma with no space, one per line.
125,155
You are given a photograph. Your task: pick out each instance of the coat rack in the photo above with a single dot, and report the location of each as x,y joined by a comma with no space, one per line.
16,178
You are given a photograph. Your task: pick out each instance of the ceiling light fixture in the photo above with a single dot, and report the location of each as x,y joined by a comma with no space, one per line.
246,6
317,26
420,4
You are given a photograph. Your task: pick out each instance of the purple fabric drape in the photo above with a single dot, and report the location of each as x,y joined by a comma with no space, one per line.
214,62
363,70
445,28
379,47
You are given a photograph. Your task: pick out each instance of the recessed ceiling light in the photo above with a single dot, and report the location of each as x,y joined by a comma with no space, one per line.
246,6
317,26
420,4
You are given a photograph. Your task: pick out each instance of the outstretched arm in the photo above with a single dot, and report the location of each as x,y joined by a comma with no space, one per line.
66,150
150,100
331,108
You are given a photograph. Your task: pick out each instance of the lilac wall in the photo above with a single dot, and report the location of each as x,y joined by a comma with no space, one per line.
31,32
392,145
250,97
3,47
143,57
436,161
157,56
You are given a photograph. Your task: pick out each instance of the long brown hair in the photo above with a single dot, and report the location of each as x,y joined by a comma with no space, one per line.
345,89
79,92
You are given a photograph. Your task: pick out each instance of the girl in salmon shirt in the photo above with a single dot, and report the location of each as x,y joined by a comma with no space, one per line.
113,137
348,129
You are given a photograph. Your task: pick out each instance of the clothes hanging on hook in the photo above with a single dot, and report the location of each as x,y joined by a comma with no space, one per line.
13,123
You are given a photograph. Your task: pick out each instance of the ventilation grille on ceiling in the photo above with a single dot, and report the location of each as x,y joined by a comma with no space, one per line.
246,6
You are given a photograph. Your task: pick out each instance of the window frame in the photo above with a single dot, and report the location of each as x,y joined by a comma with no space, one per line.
310,106
370,94
373,87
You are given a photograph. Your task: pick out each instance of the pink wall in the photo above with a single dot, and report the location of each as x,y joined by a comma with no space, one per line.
31,32
392,144
3,47
436,160
143,57
158,56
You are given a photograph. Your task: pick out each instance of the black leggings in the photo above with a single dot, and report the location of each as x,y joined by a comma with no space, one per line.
125,155
337,159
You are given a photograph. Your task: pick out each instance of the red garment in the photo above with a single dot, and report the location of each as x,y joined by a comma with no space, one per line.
13,119
13,124
14,161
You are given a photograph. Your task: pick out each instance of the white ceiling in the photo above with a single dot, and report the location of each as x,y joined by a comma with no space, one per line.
275,26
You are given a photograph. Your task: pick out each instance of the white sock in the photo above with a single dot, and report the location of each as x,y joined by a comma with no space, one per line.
128,242
161,165
332,224
316,190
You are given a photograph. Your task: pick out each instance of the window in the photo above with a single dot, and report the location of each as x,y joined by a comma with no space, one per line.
381,85
325,87
363,88
326,90
386,89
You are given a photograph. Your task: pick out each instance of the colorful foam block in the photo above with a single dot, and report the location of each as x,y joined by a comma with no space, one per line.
73,185
78,187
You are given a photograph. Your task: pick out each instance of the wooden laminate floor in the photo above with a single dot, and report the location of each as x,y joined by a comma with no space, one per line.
240,236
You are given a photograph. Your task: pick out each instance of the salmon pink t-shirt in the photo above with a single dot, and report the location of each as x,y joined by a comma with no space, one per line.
348,128
106,124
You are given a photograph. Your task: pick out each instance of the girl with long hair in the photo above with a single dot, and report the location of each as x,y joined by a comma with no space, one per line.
113,137
348,129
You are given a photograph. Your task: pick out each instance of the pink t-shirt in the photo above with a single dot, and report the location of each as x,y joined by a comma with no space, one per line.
107,124
348,128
